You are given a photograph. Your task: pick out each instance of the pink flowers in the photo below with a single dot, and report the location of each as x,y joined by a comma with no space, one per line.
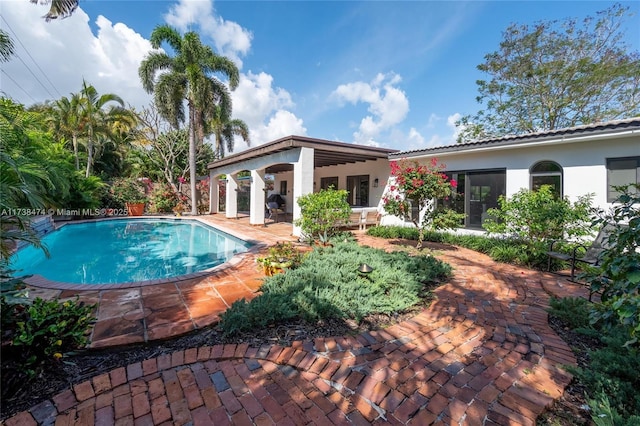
181,179
454,183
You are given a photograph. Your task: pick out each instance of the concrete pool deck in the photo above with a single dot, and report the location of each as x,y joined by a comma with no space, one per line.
481,354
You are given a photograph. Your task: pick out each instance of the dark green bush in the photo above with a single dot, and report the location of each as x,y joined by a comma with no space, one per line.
612,378
572,310
327,284
46,330
499,249
613,371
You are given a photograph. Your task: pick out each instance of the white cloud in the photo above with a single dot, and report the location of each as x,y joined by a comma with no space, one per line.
388,105
451,123
67,51
265,109
230,39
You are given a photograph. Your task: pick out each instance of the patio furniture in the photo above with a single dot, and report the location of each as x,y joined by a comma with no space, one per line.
592,253
273,210
372,218
355,219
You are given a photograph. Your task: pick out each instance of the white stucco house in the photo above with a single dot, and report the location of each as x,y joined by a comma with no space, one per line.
576,161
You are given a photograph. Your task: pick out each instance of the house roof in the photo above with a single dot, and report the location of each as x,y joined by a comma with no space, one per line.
616,128
326,153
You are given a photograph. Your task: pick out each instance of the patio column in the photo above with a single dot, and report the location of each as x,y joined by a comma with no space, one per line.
214,194
302,182
231,200
256,213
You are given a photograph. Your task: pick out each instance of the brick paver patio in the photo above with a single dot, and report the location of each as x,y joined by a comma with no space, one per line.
481,354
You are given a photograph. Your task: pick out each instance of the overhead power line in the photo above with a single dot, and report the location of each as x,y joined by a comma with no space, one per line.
34,61
19,87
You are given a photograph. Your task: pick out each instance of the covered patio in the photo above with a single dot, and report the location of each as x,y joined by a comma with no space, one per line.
310,164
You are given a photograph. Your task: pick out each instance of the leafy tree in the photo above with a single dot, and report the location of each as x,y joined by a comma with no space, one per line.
188,76
161,152
418,185
557,74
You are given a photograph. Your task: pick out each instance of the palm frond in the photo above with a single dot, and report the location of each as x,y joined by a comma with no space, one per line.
59,8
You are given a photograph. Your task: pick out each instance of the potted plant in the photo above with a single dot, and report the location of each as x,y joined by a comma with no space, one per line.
281,256
131,193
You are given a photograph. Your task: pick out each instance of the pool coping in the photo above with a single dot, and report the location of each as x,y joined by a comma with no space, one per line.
36,280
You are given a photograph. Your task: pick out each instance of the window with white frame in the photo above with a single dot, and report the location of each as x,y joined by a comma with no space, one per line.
621,172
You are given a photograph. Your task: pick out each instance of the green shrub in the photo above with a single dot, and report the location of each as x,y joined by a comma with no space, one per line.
606,415
327,284
499,249
613,371
540,216
572,310
323,213
163,198
394,232
46,329
618,275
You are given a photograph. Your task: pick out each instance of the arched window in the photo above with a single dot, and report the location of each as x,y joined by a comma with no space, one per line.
546,173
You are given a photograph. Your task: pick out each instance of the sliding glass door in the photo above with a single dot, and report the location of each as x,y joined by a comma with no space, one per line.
482,192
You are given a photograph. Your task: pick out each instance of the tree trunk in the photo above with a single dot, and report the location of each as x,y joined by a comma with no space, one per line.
74,139
192,162
89,157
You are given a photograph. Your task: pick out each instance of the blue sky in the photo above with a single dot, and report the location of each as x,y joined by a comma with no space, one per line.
392,74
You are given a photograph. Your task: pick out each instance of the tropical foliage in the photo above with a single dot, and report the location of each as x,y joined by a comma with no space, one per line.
417,186
611,378
557,74
540,216
323,213
189,77
59,8
618,276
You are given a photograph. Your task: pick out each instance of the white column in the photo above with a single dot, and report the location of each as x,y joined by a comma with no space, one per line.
256,214
231,200
214,194
302,182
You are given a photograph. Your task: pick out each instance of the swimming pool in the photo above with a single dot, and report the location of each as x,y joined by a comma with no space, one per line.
128,250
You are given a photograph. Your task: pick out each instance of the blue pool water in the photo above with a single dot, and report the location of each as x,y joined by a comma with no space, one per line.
118,251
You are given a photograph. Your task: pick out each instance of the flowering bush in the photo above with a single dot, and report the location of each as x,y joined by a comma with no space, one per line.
163,198
419,185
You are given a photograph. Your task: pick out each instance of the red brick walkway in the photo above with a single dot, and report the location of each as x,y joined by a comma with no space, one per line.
481,354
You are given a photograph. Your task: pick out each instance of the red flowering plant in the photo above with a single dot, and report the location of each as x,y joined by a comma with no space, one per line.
418,185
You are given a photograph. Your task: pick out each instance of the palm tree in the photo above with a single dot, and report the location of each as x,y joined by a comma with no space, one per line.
65,121
6,46
95,121
187,76
225,129
59,8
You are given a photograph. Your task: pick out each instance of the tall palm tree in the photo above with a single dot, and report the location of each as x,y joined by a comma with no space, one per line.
95,121
188,76
225,129
65,121
59,8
